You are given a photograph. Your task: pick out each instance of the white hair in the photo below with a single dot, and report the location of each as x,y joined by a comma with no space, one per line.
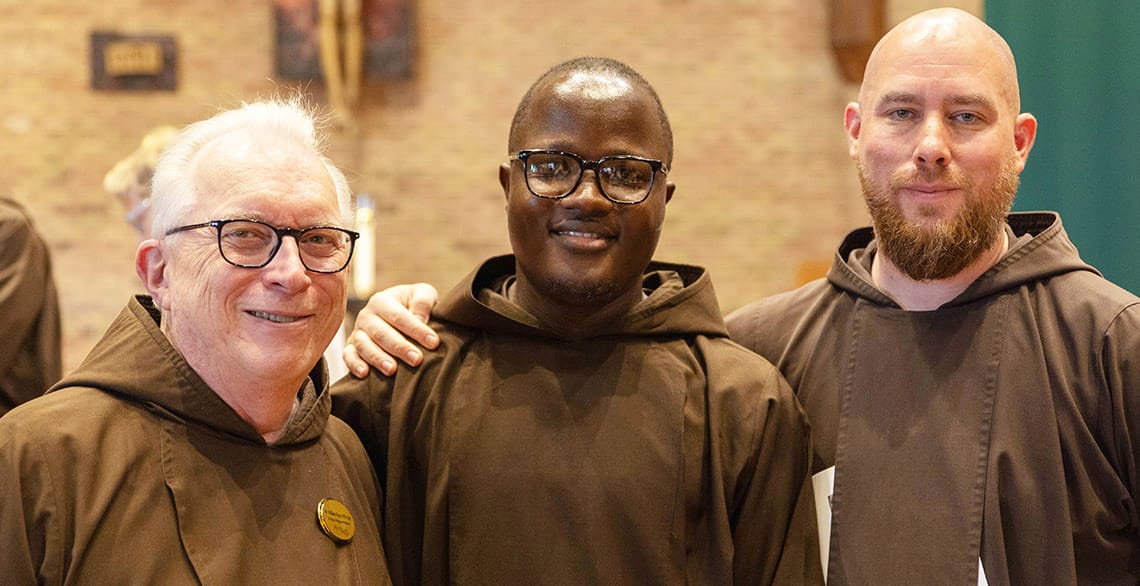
173,192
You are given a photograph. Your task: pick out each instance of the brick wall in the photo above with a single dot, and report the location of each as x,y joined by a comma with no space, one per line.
764,184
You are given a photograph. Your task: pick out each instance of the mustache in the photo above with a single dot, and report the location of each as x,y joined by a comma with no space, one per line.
926,175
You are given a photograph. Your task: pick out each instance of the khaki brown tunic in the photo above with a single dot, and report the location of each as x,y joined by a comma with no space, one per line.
132,471
1003,426
652,451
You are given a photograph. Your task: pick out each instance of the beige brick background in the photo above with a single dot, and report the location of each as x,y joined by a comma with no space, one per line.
764,184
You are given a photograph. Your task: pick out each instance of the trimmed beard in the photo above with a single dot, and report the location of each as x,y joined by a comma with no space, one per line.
577,292
943,248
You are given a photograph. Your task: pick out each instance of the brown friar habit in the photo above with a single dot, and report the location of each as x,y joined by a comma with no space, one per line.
132,471
651,451
1002,426
29,311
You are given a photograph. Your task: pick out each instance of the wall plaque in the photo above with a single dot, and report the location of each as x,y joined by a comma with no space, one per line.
142,62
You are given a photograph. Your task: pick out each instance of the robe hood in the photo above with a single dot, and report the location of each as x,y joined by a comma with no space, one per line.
136,361
1039,249
680,301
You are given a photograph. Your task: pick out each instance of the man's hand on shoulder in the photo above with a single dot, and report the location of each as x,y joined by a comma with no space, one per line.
383,327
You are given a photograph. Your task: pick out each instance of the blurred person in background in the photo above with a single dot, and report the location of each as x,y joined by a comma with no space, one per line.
29,310
129,179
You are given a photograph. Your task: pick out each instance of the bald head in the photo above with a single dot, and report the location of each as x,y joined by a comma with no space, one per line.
948,38
593,78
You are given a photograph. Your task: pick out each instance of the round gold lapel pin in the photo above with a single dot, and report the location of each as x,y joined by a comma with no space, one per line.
335,520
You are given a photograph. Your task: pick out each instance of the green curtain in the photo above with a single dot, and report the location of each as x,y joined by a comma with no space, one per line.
1079,67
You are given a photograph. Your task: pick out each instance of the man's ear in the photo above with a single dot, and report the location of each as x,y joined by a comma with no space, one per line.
505,178
1024,134
150,265
669,187
853,123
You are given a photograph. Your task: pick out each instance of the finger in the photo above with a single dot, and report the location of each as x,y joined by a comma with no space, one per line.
360,353
421,299
357,367
376,340
391,306
403,325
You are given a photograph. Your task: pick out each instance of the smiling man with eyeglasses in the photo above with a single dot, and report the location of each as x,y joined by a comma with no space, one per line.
195,443
622,179
586,419
250,244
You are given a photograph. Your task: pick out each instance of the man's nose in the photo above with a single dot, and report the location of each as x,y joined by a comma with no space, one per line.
933,146
588,193
286,268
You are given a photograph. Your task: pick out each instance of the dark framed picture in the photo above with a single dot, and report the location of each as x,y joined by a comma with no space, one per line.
138,62
386,27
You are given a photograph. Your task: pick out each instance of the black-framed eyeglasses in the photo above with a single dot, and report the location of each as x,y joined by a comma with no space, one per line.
251,244
623,179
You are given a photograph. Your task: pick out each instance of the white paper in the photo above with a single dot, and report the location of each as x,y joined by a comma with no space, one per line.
823,484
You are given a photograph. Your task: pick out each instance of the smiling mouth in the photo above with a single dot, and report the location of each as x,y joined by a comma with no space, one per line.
580,234
274,317
932,190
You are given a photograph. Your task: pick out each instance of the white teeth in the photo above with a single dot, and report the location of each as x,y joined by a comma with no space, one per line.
581,234
273,317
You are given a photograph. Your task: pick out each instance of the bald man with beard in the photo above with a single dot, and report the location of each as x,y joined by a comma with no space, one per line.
973,386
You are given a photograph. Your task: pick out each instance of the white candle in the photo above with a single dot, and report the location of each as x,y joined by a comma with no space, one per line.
364,263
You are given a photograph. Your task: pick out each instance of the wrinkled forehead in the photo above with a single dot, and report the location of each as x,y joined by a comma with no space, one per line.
237,164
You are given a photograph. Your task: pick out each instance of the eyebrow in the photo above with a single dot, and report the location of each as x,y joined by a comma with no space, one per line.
893,98
903,98
976,100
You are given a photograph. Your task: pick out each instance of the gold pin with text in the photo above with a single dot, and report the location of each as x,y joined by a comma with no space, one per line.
335,520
